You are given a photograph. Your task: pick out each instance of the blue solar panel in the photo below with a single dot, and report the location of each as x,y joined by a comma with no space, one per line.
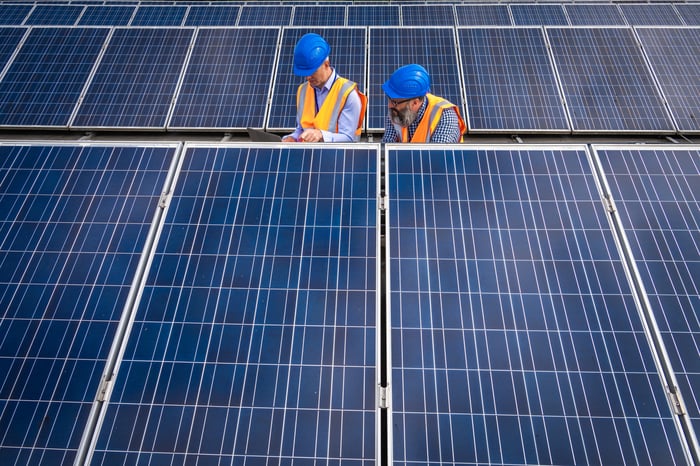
325,15
72,228
374,15
225,85
43,83
689,12
159,15
606,82
270,15
10,37
390,48
136,80
509,81
213,15
107,15
515,335
54,15
255,339
427,15
344,58
656,191
13,15
482,15
674,55
598,14
650,14
538,15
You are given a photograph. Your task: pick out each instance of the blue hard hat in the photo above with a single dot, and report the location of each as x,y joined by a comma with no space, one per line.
309,54
407,82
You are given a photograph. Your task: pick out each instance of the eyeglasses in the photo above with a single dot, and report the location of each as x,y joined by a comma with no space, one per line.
396,103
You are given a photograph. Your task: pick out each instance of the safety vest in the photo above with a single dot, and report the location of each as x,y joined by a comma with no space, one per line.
431,117
327,117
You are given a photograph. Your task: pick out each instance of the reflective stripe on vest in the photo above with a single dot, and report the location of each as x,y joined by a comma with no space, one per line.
328,115
431,118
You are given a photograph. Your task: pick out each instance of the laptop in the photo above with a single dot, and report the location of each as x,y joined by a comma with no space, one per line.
258,135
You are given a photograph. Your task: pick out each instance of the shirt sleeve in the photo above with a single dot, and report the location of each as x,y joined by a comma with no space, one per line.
447,129
347,121
390,134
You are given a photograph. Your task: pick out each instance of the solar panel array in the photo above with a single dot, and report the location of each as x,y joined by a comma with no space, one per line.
627,91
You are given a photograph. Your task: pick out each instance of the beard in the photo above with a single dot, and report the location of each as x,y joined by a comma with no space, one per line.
403,118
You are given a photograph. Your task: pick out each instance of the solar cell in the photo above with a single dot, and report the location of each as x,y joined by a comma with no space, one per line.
319,15
10,38
72,228
344,58
656,191
538,15
13,15
270,15
255,338
674,55
159,15
606,82
225,85
509,81
390,48
136,79
213,15
107,15
43,83
689,12
374,15
516,338
594,14
482,15
650,14
54,15
427,15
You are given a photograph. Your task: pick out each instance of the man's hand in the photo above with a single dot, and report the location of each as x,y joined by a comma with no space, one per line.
311,135
288,139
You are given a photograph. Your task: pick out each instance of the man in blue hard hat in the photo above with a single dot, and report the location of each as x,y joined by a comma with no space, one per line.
415,115
329,108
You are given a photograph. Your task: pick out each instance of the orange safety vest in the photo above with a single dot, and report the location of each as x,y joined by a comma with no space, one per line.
327,117
431,117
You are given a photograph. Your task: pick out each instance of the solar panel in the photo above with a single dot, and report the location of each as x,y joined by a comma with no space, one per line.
594,14
374,15
10,38
538,15
43,83
107,15
606,82
13,15
656,191
391,48
74,222
213,15
166,15
54,15
270,15
509,81
427,15
344,58
255,338
650,14
689,12
136,80
515,336
225,85
482,15
325,15
674,55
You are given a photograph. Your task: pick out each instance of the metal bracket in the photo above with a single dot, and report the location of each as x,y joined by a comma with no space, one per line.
381,203
105,389
383,398
676,401
609,204
163,201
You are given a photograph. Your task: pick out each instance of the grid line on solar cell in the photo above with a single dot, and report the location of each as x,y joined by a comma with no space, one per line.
212,15
432,47
344,59
271,15
657,198
255,337
153,15
538,15
650,14
427,15
674,55
319,15
107,15
690,13
482,15
13,15
515,336
10,37
606,82
74,223
374,15
42,85
509,80
225,85
594,14
54,15
136,79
